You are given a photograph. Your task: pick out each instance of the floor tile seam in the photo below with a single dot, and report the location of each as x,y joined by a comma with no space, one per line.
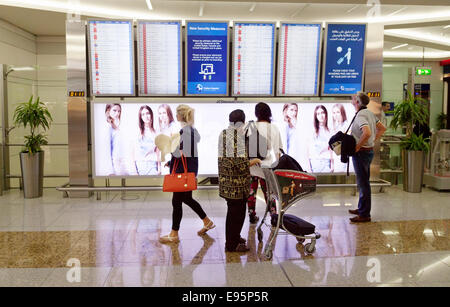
433,253
284,271
107,277
47,277
54,220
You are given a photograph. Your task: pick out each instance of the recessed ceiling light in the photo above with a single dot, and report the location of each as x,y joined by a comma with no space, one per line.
446,27
398,11
399,46
149,4
353,8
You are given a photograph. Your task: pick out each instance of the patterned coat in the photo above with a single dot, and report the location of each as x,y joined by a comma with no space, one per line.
234,166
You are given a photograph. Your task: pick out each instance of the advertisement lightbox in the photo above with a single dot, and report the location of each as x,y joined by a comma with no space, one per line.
123,134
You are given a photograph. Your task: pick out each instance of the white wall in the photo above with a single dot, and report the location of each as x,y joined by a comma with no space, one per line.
49,82
17,47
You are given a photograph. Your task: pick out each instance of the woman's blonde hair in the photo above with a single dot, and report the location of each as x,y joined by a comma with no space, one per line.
186,113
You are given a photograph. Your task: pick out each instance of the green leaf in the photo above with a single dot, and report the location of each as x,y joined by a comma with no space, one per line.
35,115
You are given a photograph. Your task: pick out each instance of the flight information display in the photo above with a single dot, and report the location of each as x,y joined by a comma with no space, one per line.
299,54
111,55
207,58
159,51
343,73
253,58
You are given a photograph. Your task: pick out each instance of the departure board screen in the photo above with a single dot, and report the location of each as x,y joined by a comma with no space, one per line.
298,55
207,58
111,57
343,72
253,58
159,51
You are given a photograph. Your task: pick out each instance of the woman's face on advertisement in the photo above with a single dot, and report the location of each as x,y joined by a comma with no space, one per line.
320,114
163,116
292,112
337,116
145,116
115,112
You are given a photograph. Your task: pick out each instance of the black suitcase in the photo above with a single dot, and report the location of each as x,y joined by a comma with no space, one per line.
294,224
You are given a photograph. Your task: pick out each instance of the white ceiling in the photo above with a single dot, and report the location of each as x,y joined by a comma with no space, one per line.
417,25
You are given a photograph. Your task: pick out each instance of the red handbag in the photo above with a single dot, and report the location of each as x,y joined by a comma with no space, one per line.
180,182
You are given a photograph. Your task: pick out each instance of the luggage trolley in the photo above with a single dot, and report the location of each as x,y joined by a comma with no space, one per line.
286,188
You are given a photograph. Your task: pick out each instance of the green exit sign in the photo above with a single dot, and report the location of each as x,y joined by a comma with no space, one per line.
423,71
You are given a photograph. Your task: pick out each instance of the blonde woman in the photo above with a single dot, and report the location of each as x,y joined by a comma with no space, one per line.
189,138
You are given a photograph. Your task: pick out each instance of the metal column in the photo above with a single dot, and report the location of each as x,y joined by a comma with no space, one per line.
77,109
4,181
374,80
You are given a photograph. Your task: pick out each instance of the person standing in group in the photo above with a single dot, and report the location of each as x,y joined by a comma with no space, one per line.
166,126
290,114
118,153
366,129
146,153
234,179
340,123
270,132
319,153
189,138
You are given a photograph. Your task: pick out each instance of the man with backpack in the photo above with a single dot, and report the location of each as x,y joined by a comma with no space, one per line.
366,130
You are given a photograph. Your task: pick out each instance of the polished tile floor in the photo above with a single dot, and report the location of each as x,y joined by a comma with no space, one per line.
115,240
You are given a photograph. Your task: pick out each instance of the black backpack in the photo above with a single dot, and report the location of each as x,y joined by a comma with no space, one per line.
344,144
256,143
287,162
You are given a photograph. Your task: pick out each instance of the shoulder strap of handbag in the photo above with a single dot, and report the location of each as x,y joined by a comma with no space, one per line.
192,142
362,108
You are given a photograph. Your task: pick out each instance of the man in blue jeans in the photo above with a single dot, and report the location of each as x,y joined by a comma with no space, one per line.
366,129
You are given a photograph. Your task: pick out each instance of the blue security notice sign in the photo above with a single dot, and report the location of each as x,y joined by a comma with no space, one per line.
207,55
344,59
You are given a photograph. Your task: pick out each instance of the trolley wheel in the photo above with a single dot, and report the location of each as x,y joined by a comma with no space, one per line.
269,254
309,249
300,240
260,235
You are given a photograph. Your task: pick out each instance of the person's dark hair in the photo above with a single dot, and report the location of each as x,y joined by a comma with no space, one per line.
316,122
384,103
141,122
263,112
237,116
363,98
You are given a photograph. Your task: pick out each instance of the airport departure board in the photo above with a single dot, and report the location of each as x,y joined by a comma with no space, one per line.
253,59
111,57
298,59
159,58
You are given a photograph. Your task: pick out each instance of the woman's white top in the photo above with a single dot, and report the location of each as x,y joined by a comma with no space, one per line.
274,143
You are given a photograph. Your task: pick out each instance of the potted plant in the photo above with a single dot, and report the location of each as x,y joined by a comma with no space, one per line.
408,113
34,115
441,121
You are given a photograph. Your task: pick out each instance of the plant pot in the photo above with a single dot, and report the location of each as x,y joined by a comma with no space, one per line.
413,167
32,167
